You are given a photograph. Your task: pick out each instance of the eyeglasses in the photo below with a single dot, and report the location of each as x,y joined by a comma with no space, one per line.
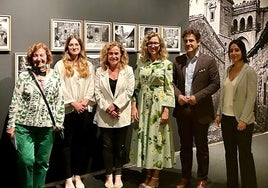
151,44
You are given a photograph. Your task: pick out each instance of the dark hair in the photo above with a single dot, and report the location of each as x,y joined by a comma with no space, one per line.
241,46
193,31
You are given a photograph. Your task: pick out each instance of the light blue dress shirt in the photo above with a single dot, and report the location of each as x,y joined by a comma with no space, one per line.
189,74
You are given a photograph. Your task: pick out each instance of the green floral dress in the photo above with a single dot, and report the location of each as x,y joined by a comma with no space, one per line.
152,143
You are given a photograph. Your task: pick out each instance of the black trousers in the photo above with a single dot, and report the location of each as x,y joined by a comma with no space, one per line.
191,131
238,142
76,143
114,149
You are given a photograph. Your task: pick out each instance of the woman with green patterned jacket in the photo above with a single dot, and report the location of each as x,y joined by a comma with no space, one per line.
30,124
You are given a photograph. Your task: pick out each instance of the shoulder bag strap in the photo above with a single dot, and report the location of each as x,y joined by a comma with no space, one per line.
44,97
60,131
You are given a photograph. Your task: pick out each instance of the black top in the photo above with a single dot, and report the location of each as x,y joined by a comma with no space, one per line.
112,84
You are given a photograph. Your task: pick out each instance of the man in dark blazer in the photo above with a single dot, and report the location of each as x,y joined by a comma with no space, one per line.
196,79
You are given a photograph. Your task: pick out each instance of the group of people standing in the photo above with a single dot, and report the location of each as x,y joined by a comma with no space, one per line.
145,99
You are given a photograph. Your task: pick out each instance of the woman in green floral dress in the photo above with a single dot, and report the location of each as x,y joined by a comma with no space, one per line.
152,143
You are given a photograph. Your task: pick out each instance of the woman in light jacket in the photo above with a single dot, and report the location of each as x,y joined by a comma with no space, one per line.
29,121
77,78
236,115
114,88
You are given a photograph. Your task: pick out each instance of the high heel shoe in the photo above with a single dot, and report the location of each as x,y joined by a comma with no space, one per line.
109,181
155,182
118,182
147,180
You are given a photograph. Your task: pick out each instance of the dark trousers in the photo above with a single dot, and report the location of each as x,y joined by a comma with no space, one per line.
190,130
76,142
113,151
240,141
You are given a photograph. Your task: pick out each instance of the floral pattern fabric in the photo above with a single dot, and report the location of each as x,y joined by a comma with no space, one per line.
152,143
28,106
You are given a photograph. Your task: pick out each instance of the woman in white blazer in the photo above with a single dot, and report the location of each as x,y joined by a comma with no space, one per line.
236,115
114,86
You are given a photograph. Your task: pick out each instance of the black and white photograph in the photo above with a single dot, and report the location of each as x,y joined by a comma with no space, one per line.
143,30
5,33
94,58
96,34
61,29
20,66
125,33
171,36
223,44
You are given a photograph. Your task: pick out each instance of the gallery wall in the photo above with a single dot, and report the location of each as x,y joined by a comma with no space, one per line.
30,23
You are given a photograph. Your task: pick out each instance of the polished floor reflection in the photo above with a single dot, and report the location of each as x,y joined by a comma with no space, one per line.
133,176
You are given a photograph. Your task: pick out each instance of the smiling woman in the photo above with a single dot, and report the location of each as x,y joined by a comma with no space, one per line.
77,77
152,146
114,89
29,122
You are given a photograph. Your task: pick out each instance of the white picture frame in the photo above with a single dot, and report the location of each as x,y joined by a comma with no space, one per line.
20,66
143,30
5,33
96,34
126,34
172,38
61,29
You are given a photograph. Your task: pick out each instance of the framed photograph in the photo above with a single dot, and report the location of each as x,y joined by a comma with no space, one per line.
20,66
172,37
96,34
126,34
60,30
144,30
5,33
95,60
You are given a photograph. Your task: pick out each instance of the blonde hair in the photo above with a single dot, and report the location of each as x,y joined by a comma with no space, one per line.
145,55
82,66
104,55
32,49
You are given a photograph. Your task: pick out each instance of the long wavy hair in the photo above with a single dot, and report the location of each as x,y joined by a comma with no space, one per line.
104,55
82,66
162,53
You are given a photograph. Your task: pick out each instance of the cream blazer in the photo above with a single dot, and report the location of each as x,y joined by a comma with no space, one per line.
121,98
245,93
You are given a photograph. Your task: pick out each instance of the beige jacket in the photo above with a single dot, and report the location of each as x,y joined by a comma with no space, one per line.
245,92
121,98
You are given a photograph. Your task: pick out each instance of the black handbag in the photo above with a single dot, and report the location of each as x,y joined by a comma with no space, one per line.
60,131
8,156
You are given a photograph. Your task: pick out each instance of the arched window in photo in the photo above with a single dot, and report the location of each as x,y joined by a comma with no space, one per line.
250,23
235,27
242,24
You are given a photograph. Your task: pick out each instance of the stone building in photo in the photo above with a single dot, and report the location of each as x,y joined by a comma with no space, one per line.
221,21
